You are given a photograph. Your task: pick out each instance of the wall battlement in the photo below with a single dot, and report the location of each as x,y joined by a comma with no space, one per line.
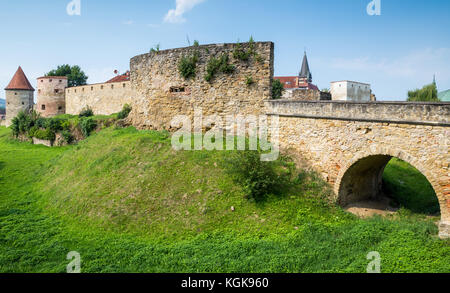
390,112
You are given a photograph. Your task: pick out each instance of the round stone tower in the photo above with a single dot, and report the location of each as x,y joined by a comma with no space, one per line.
51,100
19,96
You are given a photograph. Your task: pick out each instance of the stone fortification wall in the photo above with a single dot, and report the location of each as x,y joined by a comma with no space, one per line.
163,93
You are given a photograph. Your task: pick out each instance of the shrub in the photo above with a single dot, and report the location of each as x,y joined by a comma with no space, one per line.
244,55
257,178
216,65
67,136
249,81
156,49
40,122
32,131
188,65
45,134
21,123
87,125
277,89
65,125
54,124
125,112
86,112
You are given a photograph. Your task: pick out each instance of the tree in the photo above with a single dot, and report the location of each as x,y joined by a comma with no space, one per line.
277,89
427,94
74,74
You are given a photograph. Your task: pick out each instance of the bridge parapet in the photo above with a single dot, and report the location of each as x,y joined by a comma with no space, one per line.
389,112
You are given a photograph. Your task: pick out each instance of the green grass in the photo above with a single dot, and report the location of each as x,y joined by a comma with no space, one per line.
128,203
409,188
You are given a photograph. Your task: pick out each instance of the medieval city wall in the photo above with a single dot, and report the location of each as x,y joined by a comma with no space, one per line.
103,98
162,93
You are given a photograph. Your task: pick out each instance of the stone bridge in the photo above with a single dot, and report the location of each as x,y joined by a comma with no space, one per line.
351,143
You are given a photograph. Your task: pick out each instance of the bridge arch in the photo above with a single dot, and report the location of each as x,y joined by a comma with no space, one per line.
360,177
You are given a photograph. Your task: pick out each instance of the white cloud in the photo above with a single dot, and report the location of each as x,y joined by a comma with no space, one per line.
182,6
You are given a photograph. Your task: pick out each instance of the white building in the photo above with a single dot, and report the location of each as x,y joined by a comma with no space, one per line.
350,91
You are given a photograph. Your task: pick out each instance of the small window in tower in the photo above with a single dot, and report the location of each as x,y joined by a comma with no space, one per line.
59,108
101,87
23,103
75,90
124,85
43,107
39,91
56,91
92,88
60,80
42,80
112,86
82,89
15,94
50,80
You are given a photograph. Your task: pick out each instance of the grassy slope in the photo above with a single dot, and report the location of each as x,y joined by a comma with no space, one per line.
410,188
128,203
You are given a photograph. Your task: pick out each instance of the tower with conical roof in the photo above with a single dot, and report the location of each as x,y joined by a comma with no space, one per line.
19,96
305,74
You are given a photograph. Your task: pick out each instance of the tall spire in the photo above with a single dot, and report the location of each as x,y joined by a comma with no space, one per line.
305,73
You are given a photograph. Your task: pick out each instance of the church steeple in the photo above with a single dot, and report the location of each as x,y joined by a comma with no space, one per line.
305,73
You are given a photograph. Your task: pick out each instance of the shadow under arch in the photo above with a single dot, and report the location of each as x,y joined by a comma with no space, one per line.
362,177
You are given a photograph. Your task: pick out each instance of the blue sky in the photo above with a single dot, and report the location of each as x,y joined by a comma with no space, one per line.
399,50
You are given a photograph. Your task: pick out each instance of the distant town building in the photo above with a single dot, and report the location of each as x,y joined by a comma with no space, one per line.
444,96
301,87
120,78
347,90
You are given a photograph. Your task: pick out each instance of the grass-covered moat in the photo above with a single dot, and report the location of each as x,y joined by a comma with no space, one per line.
127,202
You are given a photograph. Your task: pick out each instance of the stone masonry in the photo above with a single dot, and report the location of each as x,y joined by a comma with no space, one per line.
162,93
103,98
351,143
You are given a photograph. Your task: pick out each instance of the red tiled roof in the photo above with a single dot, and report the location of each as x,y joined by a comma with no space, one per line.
292,82
120,78
19,82
309,86
289,82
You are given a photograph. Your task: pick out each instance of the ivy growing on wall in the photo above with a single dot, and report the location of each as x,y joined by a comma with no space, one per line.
249,81
218,65
188,64
241,54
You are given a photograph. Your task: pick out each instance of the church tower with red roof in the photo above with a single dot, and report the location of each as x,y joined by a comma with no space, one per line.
19,96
